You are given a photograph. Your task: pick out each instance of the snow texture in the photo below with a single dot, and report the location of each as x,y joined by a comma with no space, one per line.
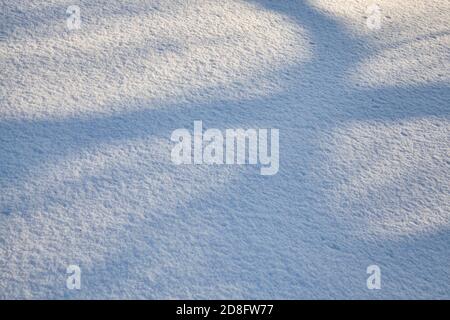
86,178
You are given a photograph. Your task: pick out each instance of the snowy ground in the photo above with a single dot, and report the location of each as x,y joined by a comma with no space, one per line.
86,178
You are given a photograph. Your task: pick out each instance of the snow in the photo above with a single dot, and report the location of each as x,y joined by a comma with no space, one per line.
86,177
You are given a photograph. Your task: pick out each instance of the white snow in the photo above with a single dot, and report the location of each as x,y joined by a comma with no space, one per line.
86,177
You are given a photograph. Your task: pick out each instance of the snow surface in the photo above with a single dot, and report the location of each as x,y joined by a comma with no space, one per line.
85,171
